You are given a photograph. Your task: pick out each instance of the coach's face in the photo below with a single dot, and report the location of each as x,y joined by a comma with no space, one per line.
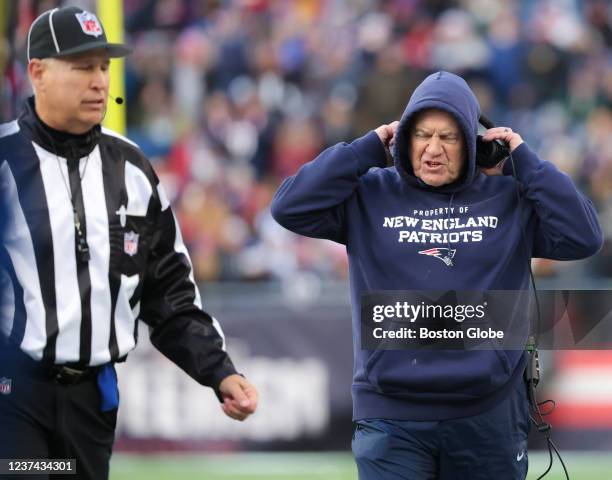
436,148
71,92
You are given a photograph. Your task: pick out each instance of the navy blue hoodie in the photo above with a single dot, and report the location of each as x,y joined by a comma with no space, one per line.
386,217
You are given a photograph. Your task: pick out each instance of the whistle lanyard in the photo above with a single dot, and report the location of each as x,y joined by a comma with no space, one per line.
75,192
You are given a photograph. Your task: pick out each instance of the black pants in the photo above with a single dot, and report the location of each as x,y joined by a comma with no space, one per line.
41,418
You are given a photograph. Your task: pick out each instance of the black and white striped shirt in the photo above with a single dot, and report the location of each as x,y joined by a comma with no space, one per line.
61,309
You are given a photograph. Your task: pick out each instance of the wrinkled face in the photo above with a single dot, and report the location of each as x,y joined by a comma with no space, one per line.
71,92
437,148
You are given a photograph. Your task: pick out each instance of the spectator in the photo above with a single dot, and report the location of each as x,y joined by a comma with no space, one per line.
229,97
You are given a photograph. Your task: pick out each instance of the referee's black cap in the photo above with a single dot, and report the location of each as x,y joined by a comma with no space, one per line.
67,31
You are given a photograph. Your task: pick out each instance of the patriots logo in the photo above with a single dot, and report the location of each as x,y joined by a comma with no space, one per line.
444,254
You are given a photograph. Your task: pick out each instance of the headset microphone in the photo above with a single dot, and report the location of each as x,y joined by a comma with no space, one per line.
118,100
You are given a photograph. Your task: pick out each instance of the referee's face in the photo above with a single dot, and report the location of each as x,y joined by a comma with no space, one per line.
74,91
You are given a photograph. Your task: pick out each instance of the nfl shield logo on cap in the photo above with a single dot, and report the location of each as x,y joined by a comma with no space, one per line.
69,30
5,385
89,24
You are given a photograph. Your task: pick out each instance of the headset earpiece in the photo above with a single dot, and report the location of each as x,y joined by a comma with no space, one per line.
489,154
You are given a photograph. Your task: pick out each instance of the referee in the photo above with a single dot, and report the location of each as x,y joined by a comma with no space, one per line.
91,246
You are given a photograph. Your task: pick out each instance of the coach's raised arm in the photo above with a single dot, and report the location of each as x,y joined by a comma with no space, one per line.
311,201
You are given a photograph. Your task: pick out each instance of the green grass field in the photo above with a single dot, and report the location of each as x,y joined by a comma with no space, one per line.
312,466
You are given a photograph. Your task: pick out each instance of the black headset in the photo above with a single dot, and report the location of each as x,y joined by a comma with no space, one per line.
490,154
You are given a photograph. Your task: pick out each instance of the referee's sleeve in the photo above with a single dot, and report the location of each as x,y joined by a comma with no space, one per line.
171,304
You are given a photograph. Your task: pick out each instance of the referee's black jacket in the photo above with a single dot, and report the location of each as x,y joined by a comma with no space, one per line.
62,307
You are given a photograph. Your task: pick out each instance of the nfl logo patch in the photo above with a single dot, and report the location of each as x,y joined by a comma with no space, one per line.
89,24
5,386
130,243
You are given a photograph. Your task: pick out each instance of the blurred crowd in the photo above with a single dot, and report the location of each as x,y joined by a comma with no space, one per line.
228,97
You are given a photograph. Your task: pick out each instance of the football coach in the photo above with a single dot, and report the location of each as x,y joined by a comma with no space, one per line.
91,247
438,414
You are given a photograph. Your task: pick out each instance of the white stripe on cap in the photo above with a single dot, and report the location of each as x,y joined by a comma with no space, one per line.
32,27
53,29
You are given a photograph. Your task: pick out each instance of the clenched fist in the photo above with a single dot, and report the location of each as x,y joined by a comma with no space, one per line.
239,397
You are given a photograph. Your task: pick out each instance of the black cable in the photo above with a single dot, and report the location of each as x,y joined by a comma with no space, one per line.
554,405
545,428
552,444
541,425
526,251
550,463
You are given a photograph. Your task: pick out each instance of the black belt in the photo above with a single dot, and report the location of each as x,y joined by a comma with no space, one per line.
20,363
70,376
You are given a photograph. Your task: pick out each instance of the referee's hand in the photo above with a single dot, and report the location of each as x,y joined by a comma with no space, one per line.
240,397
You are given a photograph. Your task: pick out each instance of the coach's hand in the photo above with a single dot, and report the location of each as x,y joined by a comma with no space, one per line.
386,133
504,134
240,397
